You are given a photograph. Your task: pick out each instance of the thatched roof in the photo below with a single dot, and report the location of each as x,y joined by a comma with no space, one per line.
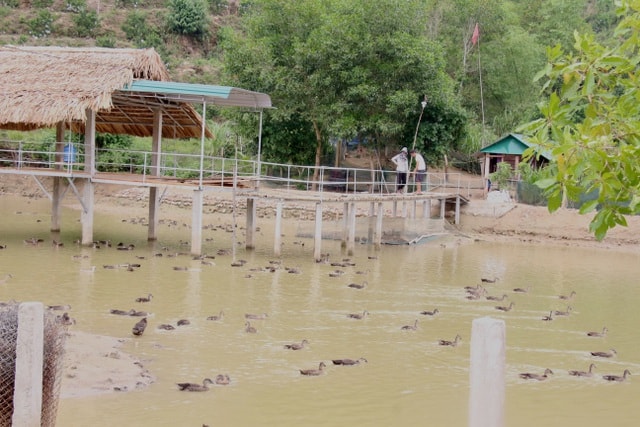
43,86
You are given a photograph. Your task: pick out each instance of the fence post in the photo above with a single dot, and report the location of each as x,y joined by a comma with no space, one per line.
27,393
487,373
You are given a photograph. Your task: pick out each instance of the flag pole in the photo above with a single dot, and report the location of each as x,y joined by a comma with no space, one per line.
476,38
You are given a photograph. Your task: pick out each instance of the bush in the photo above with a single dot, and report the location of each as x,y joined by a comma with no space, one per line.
75,5
136,29
502,175
106,41
41,4
42,25
10,3
86,23
187,17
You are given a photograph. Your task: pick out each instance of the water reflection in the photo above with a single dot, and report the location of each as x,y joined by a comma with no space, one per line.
409,379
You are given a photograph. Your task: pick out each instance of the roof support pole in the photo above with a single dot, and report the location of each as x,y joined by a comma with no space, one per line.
90,143
202,135
251,224
154,199
196,222
86,217
259,151
57,181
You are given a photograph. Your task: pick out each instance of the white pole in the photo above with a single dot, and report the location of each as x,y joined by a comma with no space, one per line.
487,373
259,151
27,393
202,135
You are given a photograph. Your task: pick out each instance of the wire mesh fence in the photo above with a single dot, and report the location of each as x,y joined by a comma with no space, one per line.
53,359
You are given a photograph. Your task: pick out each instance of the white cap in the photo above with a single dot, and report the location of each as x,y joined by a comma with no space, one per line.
404,149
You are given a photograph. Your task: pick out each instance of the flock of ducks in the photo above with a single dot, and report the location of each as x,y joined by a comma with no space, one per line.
479,290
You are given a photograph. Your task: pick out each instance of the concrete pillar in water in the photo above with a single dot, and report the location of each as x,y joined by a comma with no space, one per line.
196,222
426,208
317,236
251,224
57,180
395,208
154,205
345,225
443,204
351,242
27,393
154,199
487,373
277,239
86,216
378,241
457,216
372,210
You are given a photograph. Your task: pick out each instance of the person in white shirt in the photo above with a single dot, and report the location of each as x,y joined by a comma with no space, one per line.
402,168
419,171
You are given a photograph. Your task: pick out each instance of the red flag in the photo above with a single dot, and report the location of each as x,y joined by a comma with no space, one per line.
475,36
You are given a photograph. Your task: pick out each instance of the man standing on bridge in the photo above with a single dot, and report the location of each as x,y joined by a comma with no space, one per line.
402,168
419,170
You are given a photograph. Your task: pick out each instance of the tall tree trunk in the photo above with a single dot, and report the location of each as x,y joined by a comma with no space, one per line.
316,171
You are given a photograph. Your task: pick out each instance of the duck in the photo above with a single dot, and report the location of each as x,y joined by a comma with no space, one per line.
65,319
549,317
531,376
136,313
617,378
58,307
296,346
183,322
430,313
256,316
349,362
598,334
145,299
568,297
313,372
604,353
138,328
222,379
166,327
5,279
494,298
249,329
196,387
453,343
122,312
563,313
216,317
336,273
487,280
358,285
56,244
357,315
502,308
411,327
583,373
522,290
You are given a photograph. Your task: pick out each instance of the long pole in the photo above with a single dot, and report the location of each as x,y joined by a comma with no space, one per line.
481,95
415,136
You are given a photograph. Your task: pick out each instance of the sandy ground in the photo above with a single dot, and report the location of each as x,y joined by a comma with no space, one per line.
95,364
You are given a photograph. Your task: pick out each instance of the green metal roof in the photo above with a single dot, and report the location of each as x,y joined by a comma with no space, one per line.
512,144
198,93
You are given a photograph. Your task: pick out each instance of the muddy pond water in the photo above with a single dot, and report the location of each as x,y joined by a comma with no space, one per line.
409,379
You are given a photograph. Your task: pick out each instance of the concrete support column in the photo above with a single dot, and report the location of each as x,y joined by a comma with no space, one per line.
345,225
57,181
443,204
395,208
86,217
457,214
154,208
27,393
371,218
196,222
487,373
378,240
317,236
426,208
154,198
277,239
351,242
251,224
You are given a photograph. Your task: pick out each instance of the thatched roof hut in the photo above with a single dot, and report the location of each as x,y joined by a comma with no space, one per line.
45,86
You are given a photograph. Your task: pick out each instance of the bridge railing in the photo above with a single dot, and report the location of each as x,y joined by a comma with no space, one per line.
214,170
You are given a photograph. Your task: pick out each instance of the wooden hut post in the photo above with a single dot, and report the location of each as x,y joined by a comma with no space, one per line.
57,180
27,391
487,373
251,224
154,199
86,218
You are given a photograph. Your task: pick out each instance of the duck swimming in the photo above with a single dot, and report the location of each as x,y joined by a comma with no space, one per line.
216,318
195,387
617,377
563,313
256,316
583,373
568,297
538,377
549,317
453,343
598,334
144,299
296,346
349,362
138,328
166,327
358,285
122,312
502,308
249,329
222,379
494,298
430,313
411,327
313,372
604,353
357,315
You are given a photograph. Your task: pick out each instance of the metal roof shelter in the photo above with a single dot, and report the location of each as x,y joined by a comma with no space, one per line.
512,144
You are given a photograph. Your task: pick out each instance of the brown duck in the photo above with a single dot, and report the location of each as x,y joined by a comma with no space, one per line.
538,377
349,362
138,328
195,387
313,372
296,346
617,378
588,373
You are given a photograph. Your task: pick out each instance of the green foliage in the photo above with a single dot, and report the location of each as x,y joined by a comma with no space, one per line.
136,29
217,7
106,41
589,123
502,175
41,4
188,17
75,6
42,25
86,23
10,3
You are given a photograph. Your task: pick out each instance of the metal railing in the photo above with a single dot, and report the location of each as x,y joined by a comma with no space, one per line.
213,170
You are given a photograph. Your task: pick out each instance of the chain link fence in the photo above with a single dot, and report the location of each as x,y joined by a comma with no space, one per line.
53,359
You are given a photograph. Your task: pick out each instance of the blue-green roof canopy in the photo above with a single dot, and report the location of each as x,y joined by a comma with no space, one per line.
199,93
514,144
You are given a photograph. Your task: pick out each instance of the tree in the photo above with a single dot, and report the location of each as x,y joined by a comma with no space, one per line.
590,123
344,67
